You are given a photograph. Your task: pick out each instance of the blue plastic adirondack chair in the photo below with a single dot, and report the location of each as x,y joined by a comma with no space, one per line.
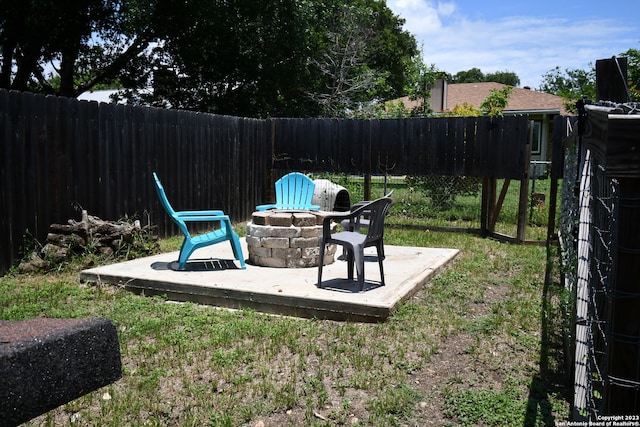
191,243
293,191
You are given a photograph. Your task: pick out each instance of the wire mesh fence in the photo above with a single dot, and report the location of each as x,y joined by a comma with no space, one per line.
594,259
598,232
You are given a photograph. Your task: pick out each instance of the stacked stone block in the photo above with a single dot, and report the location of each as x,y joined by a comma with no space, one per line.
286,239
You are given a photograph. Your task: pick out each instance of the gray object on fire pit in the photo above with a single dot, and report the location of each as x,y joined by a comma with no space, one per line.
45,363
330,196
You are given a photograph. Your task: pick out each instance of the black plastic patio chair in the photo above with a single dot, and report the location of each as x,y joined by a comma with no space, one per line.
353,241
362,222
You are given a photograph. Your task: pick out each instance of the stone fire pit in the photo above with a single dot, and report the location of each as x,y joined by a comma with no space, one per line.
287,239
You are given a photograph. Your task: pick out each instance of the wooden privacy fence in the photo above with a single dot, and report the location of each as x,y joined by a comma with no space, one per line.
452,146
58,155
490,147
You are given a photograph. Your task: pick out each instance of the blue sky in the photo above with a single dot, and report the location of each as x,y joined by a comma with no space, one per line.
526,37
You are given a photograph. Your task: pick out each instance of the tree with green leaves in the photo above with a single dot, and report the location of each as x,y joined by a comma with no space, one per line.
421,79
633,73
238,58
496,102
570,84
84,43
257,59
358,62
575,84
505,77
475,75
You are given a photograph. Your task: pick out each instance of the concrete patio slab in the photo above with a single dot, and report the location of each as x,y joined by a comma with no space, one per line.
213,277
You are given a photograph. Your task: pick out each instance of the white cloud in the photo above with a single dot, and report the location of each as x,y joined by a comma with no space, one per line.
446,8
527,45
421,16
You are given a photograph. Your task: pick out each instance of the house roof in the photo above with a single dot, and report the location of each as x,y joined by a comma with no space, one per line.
521,100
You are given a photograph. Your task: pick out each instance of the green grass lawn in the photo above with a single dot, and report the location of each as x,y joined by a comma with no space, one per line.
480,344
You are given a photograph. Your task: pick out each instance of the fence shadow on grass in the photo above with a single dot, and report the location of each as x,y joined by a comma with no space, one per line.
553,377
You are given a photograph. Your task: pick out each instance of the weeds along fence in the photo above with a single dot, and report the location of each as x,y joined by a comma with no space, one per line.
60,155
600,242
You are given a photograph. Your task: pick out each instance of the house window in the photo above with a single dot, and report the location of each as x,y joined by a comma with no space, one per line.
537,136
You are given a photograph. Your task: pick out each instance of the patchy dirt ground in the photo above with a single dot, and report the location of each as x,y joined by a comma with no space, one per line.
453,364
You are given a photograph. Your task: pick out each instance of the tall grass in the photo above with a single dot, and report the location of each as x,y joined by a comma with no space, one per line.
476,346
